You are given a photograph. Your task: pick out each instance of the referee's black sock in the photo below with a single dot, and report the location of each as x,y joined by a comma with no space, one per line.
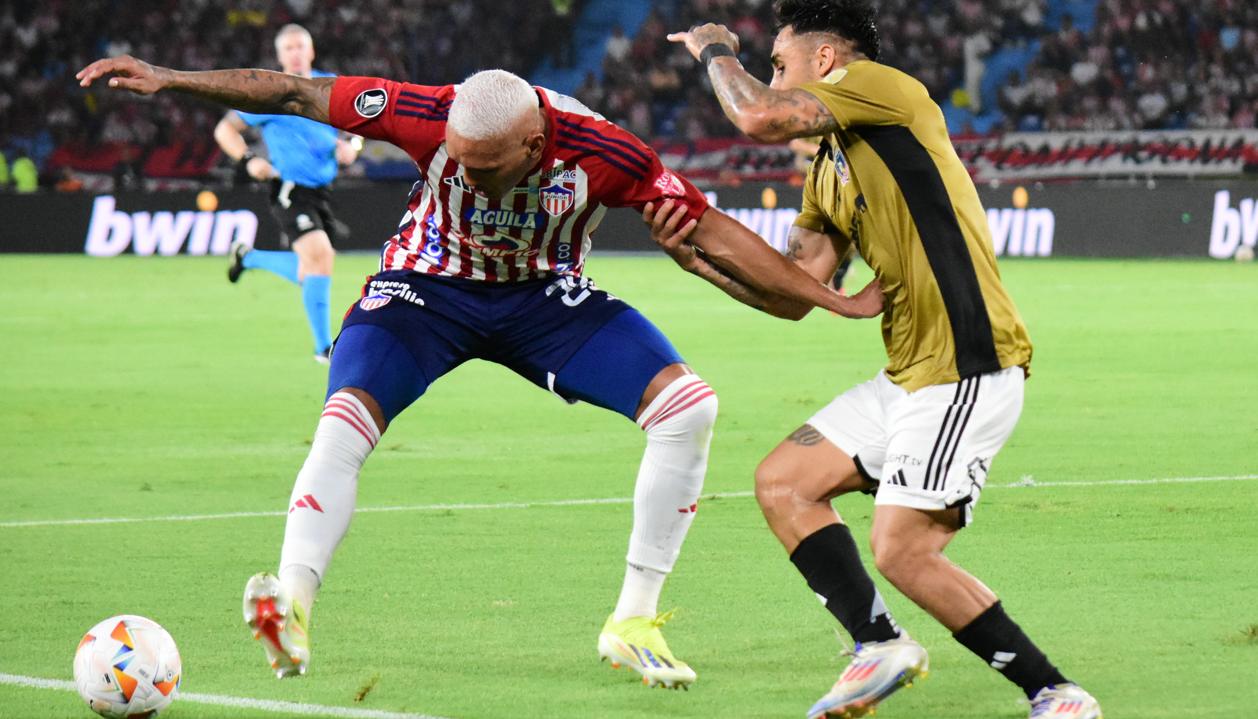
1000,642
831,563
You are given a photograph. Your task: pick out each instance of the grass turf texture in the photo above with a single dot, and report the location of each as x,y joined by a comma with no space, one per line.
145,387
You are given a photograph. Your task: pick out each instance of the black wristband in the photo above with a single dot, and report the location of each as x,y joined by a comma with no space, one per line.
245,158
714,50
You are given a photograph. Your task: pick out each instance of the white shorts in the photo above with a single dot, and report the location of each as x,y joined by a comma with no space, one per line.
929,449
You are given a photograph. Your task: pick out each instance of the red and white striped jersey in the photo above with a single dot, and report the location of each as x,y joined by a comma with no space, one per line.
544,224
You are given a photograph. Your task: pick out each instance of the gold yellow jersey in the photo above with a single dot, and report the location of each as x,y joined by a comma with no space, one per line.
889,182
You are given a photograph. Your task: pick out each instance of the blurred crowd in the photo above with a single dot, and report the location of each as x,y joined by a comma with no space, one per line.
43,44
655,88
1138,64
1146,64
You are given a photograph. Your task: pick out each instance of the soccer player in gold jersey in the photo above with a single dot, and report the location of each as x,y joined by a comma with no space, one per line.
921,435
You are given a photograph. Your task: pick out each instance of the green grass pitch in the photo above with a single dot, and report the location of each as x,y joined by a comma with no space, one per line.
146,387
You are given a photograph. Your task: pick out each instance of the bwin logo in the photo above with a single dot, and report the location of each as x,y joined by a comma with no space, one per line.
1232,228
1022,232
110,232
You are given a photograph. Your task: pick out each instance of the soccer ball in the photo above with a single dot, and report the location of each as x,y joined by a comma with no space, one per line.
127,666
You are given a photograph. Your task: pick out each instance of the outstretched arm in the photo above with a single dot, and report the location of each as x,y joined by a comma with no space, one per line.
725,253
760,112
261,91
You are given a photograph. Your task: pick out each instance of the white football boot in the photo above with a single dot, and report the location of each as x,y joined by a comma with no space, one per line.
278,623
1064,701
877,670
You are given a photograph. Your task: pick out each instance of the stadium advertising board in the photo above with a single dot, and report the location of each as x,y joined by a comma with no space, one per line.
1127,219
1012,157
1143,154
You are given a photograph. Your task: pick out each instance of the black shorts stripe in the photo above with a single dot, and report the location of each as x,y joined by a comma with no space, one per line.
931,209
943,430
951,453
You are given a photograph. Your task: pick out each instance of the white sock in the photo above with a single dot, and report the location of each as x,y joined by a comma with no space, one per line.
678,425
325,492
640,594
302,584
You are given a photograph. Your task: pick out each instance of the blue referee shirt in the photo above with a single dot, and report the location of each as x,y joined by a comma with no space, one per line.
301,150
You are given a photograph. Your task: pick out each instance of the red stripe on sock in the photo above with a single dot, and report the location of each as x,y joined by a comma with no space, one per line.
348,404
368,423
362,424
332,412
680,396
695,399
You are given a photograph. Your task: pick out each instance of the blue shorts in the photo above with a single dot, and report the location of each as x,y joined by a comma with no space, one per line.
561,333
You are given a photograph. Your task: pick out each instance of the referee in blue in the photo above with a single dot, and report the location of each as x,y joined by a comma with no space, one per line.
304,157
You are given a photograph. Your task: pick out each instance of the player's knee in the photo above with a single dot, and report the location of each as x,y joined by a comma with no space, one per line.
774,484
315,253
896,560
689,413
320,260
887,558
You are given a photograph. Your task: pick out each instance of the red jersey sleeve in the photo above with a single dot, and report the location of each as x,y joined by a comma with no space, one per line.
634,173
413,117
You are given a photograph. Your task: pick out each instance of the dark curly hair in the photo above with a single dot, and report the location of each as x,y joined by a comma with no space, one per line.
849,19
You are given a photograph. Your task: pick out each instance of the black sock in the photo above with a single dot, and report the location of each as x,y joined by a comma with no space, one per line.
1000,642
831,564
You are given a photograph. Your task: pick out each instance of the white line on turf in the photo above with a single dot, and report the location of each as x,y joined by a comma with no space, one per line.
1026,483
266,705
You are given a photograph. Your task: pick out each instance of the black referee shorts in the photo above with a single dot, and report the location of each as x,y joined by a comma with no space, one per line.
299,209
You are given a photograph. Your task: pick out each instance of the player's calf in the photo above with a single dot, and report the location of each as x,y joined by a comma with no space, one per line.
678,423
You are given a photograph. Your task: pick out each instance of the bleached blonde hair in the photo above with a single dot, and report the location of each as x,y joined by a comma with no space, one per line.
292,28
489,104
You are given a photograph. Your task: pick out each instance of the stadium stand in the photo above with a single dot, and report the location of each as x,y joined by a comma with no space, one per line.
44,116
993,65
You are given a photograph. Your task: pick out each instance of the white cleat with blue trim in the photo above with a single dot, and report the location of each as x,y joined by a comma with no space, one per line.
877,670
1065,701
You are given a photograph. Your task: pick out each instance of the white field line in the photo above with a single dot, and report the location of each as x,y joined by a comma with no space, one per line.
266,705
1021,484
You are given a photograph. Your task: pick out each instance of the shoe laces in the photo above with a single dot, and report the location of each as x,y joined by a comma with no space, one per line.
662,618
845,650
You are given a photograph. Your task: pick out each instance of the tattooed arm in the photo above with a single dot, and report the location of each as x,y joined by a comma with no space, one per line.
260,91
726,244
760,112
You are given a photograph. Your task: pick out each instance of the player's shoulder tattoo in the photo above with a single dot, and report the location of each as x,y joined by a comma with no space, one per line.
806,436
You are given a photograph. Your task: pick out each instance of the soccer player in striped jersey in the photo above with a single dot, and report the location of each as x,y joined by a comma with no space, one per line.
922,434
487,263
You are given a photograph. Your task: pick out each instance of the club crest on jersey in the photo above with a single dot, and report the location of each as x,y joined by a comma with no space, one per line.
841,167
557,198
370,103
374,302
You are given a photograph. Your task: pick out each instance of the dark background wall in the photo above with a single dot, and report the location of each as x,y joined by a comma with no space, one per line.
1165,218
